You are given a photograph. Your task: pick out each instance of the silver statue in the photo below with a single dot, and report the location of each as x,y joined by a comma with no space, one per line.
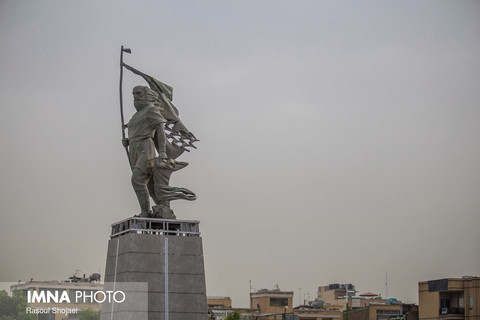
156,138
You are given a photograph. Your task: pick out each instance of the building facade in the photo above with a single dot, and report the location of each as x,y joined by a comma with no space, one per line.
333,295
219,302
375,312
449,299
271,304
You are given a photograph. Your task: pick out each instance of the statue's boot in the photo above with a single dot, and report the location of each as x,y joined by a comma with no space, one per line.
163,212
144,201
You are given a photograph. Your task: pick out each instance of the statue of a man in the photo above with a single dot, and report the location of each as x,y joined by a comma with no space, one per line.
151,173
147,121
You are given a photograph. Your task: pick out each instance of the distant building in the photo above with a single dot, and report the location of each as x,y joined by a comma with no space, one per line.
333,295
275,304
272,303
221,307
312,313
365,301
380,311
278,305
449,299
63,310
410,311
219,302
336,296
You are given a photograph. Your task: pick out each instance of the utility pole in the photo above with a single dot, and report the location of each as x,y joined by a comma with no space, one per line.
346,301
386,284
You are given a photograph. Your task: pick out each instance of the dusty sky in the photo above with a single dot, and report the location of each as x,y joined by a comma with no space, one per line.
339,139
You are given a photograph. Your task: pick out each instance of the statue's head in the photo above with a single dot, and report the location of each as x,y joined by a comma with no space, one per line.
143,96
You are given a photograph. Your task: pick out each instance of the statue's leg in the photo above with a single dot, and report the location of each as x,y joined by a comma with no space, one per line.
162,208
151,190
140,177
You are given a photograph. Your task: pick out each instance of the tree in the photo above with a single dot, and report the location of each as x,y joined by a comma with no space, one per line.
14,308
234,316
88,314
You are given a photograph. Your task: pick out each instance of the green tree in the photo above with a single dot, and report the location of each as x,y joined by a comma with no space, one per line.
88,314
14,308
234,316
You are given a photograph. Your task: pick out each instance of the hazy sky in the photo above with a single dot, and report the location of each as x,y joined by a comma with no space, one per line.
339,139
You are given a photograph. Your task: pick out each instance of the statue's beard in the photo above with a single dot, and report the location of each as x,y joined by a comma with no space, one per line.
140,104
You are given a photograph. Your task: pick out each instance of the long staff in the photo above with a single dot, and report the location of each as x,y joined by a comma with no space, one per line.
122,50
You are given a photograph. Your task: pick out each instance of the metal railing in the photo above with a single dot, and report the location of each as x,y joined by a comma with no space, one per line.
445,311
137,225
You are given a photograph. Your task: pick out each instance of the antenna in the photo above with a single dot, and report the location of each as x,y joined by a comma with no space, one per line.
386,284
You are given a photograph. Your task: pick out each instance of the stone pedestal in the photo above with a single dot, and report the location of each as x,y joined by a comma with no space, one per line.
159,263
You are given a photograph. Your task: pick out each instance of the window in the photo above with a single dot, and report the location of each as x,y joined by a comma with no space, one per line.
279,302
470,301
445,303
